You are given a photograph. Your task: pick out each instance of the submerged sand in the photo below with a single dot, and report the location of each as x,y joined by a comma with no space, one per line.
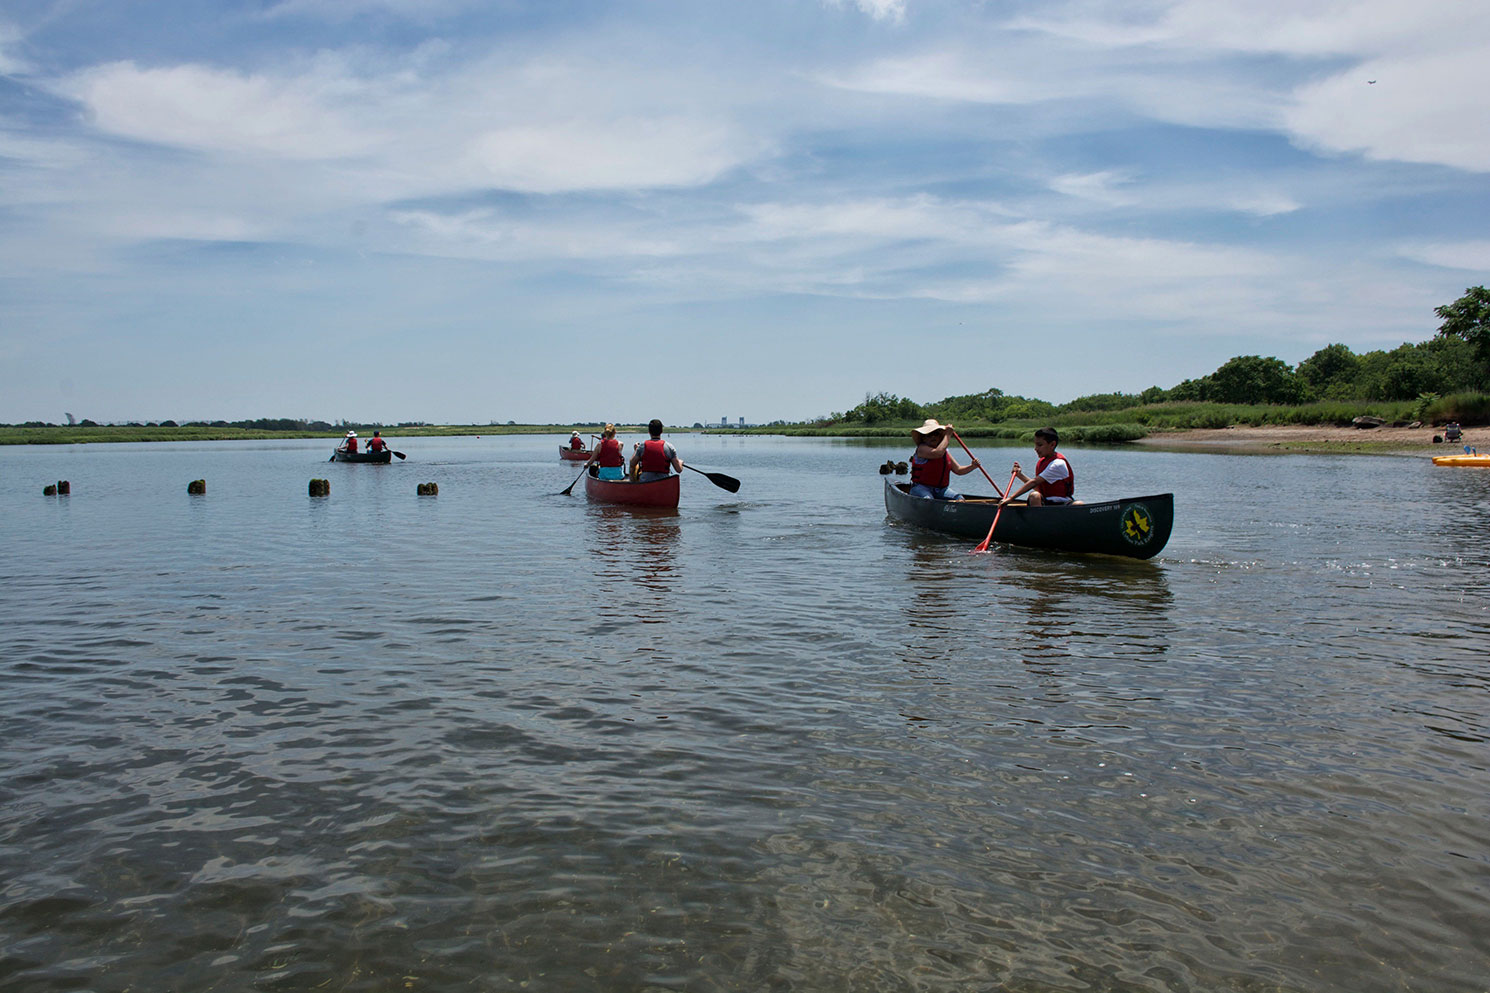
1315,438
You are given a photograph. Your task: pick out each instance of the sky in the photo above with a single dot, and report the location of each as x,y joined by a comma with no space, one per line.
557,211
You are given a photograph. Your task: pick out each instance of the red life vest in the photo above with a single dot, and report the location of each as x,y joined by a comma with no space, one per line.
576,444
1065,488
610,453
351,444
376,444
654,458
935,473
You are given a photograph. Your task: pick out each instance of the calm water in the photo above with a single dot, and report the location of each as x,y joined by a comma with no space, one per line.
503,739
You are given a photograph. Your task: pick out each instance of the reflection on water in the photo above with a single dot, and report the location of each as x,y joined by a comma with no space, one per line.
503,738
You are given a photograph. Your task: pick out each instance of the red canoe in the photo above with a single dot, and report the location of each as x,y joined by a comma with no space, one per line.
658,493
570,455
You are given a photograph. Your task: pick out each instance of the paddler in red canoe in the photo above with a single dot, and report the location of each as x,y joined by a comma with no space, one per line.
654,457
609,460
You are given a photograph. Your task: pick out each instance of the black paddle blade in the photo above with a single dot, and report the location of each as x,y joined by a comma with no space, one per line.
724,482
401,456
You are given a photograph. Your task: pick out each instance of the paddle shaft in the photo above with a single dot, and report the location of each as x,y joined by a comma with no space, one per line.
980,469
996,515
565,491
719,479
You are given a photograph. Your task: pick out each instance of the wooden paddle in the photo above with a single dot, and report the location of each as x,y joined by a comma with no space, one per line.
719,479
996,515
584,469
980,469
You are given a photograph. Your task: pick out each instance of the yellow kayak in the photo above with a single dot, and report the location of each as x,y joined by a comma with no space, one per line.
1479,460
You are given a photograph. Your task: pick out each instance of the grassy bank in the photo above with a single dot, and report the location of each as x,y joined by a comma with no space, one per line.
102,434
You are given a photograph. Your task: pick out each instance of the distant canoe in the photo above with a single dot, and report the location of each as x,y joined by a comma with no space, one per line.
1483,461
570,455
658,493
1137,527
383,457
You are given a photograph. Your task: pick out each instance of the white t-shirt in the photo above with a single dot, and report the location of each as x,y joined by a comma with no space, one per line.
1057,470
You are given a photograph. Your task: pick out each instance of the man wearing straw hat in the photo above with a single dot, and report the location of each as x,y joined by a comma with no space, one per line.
932,466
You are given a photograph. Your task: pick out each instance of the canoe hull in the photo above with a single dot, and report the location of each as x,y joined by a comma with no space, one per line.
378,458
1137,527
660,493
1483,461
570,455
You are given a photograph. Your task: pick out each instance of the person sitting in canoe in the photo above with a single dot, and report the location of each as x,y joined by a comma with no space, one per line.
349,445
576,443
932,466
376,442
1054,481
608,459
654,457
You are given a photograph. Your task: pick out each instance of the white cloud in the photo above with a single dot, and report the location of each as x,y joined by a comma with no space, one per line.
1099,187
10,39
207,109
542,126
1191,62
879,10
1026,72
605,154
346,10
1472,256
1264,204
1428,108
944,75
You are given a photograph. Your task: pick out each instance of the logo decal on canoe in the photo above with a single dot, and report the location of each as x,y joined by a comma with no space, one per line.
1137,524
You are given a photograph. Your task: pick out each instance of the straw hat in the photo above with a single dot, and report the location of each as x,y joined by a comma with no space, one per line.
351,434
929,427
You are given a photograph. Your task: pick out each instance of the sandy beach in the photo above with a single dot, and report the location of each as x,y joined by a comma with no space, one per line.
1287,439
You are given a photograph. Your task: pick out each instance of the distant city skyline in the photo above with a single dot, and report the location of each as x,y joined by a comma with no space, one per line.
457,212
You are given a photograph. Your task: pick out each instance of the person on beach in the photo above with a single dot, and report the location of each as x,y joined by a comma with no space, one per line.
932,466
609,460
1054,481
1452,432
349,444
376,442
576,443
654,457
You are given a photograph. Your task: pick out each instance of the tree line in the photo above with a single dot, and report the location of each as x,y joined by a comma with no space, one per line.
1456,360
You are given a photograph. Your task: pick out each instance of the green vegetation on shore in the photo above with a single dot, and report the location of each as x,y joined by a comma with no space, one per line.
88,433
1430,382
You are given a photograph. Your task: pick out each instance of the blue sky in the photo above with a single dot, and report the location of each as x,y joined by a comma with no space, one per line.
461,212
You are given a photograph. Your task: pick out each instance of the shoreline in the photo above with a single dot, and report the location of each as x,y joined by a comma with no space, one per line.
1305,439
